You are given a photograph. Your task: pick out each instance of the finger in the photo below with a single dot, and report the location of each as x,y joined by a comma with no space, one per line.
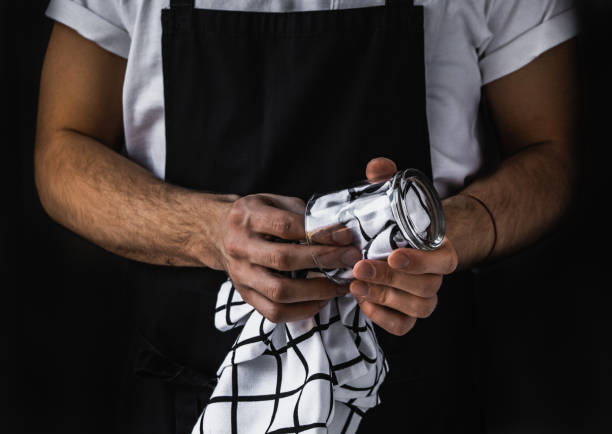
290,257
392,321
277,312
335,235
441,261
330,257
411,305
380,169
379,272
293,204
281,289
260,217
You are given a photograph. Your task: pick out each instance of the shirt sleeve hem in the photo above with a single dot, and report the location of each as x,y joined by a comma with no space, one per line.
528,46
91,26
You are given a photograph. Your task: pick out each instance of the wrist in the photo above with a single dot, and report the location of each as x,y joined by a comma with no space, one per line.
470,228
210,214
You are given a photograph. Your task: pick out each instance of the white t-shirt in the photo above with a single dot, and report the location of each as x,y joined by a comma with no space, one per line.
468,43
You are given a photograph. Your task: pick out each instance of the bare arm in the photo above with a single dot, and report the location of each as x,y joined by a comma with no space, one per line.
534,110
87,186
535,113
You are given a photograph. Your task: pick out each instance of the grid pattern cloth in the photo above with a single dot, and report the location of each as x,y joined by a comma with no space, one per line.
318,375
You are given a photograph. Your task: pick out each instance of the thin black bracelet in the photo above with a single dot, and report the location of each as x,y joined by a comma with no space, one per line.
484,205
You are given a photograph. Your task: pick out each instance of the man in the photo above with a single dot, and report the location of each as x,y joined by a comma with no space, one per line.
257,101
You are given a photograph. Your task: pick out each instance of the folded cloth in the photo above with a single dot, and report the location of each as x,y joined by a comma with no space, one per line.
318,375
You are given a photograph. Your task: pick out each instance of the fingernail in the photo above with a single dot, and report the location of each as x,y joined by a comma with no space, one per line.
403,261
351,257
365,271
342,290
342,236
359,289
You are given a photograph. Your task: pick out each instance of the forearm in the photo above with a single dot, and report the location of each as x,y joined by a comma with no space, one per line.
527,195
122,207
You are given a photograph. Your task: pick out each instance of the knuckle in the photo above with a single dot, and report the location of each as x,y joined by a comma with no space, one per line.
296,201
436,283
419,309
232,248
283,260
282,227
408,324
426,308
366,308
250,199
238,211
279,260
386,274
381,294
397,327
272,260
244,293
401,326
274,313
277,290
433,303
394,332
431,286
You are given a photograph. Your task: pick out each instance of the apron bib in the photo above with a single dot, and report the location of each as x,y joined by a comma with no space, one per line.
284,103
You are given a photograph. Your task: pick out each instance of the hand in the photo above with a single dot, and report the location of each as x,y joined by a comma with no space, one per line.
394,293
251,258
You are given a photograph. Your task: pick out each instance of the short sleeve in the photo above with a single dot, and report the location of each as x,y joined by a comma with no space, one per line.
521,30
97,20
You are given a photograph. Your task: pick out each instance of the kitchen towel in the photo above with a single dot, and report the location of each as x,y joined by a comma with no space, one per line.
318,375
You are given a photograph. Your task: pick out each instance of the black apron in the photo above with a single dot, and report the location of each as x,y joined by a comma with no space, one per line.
291,104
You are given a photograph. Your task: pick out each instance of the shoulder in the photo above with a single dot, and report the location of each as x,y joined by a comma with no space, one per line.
109,23
504,35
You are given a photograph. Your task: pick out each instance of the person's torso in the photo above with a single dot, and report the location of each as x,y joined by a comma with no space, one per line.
252,105
452,76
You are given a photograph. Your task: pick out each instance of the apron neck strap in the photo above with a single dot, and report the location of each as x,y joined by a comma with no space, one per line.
191,3
398,2
182,3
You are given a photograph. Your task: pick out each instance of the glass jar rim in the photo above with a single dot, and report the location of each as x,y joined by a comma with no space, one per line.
400,185
426,191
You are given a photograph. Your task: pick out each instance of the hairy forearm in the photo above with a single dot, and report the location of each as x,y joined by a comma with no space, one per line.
527,196
122,207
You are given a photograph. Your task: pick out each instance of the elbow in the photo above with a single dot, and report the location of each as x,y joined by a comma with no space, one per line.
568,181
46,173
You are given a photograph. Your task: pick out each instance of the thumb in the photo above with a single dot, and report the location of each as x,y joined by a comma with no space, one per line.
380,169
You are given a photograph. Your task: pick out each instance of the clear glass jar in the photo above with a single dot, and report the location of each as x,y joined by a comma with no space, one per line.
404,211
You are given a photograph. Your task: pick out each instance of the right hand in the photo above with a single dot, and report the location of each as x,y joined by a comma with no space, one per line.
252,260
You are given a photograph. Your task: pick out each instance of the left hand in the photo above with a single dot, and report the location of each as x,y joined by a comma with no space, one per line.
395,292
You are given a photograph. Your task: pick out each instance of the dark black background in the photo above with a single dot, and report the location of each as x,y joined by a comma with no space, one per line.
544,315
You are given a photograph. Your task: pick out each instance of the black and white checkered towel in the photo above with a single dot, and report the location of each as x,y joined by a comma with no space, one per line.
318,375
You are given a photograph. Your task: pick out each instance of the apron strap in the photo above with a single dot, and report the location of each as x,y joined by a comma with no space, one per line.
191,3
182,10
182,3
392,3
